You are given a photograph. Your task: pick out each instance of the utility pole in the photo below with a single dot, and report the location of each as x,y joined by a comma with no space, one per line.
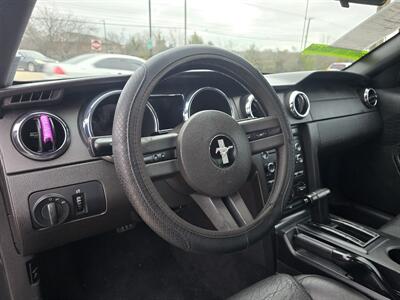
150,42
304,24
105,35
306,34
185,21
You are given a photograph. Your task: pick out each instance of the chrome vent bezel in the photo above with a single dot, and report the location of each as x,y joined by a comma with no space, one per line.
27,152
368,101
292,104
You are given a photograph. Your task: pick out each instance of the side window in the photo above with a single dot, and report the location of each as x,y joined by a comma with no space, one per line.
118,63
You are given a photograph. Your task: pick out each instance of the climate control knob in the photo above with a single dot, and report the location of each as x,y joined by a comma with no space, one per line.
50,210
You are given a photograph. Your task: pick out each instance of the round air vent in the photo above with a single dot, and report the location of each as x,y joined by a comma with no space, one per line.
370,98
299,104
40,136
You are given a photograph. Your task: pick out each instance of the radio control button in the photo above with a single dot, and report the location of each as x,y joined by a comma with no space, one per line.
299,158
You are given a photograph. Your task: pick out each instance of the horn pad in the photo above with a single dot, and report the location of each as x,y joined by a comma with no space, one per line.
213,153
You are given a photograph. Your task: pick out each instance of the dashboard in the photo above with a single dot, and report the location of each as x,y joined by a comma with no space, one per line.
47,131
163,112
167,108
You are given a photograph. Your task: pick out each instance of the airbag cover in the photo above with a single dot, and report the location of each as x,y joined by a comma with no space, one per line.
213,153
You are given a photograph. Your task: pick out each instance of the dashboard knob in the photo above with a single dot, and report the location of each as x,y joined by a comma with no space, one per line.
264,155
271,167
51,213
50,210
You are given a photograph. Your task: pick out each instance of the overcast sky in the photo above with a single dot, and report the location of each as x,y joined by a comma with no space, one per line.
227,23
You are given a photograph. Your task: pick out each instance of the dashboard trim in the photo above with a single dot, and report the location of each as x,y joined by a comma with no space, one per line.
249,104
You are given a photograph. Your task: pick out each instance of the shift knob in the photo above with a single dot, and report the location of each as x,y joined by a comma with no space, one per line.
318,202
317,195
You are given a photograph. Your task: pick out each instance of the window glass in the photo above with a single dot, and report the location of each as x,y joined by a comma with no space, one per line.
274,36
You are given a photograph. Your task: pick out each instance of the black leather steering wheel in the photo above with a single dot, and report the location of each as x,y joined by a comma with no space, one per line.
211,150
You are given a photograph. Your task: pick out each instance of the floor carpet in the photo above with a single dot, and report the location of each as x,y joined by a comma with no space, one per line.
139,265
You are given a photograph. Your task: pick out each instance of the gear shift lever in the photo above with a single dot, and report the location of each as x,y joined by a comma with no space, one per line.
318,202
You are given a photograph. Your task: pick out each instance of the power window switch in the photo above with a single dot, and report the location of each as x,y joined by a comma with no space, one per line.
79,203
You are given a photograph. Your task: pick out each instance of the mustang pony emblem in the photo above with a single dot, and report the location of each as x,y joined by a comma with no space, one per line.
223,151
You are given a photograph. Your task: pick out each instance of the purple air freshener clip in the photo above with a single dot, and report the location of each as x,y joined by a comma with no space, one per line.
47,129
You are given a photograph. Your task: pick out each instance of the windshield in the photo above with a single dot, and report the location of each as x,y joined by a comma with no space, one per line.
275,36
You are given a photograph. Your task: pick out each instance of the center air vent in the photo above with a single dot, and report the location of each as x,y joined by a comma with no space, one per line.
40,136
32,97
299,104
370,98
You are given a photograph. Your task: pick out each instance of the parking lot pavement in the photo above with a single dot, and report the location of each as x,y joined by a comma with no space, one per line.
29,76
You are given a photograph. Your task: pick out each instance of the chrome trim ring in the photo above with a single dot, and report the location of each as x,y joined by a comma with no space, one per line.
292,105
367,99
249,102
188,103
20,146
248,108
155,117
88,115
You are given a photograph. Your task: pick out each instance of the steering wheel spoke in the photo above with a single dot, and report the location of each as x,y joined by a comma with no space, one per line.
239,210
225,213
160,154
263,133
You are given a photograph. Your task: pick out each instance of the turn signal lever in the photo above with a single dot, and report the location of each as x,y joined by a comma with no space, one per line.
318,202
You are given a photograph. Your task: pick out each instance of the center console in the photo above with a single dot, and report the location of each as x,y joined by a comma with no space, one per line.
300,186
360,256
316,241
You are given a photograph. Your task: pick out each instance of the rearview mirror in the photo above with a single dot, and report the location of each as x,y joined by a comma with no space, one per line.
345,3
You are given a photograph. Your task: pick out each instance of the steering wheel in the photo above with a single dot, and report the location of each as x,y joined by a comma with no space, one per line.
212,151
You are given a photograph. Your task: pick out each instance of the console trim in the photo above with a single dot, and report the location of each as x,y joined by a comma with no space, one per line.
339,233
